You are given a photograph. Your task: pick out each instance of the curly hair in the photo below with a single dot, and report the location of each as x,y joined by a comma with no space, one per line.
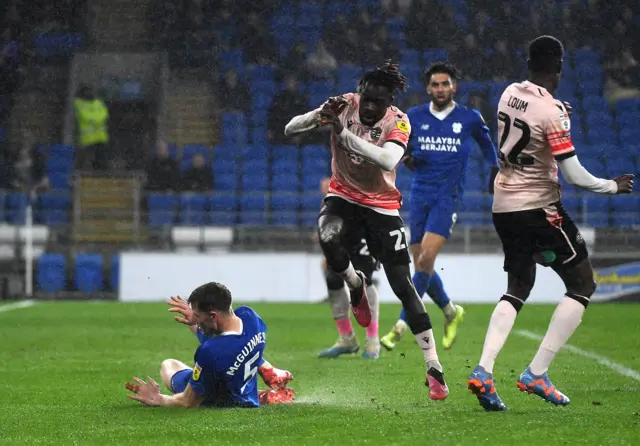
387,75
441,68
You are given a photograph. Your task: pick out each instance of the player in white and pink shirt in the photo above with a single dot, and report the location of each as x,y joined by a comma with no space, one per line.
368,139
534,139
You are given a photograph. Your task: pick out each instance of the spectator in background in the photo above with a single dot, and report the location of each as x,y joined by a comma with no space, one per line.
92,116
363,22
335,33
233,96
502,65
199,177
289,102
295,62
350,52
623,76
28,170
321,64
259,46
379,48
483,29
470,58
163,173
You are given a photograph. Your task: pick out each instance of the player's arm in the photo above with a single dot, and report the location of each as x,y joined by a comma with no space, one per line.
386,158
150,395
482,135
312,120
558,135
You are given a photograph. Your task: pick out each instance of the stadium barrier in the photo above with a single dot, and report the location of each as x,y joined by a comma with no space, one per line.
297,277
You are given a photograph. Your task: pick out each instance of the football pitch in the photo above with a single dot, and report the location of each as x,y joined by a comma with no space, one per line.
63,366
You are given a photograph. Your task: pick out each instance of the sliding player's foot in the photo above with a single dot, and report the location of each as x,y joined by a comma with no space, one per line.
344,346
541,386
275,378
277,396
359,302
451,328
438,389
481,385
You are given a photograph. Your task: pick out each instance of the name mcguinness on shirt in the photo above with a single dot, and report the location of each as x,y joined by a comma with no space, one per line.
258,339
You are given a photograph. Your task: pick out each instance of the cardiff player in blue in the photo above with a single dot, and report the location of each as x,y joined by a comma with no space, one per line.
227,362
438,152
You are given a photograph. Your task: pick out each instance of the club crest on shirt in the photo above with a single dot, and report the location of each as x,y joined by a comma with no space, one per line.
196,372
376,132
457,127
403,126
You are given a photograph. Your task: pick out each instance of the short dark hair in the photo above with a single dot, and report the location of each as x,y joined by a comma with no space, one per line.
211,296
441,67
387,75
545,55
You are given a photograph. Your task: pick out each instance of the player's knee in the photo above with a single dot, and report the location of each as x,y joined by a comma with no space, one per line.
329,231
167,370
333,279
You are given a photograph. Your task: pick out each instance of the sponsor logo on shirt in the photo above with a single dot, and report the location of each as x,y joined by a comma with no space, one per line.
424,127
403,126
196,372
439,144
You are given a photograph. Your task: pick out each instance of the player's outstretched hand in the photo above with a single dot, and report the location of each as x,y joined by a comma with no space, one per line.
625,183
337,104
148,394
329,117
179,305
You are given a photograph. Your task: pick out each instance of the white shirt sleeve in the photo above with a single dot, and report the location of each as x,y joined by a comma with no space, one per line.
576,174
303,123
386,157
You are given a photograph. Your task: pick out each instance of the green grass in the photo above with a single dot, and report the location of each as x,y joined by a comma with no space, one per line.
63,368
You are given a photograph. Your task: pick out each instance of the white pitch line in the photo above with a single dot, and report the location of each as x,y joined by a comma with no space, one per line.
17,305
621,369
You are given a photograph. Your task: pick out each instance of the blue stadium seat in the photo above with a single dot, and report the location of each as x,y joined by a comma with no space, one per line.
114,273
259,135
627,119
253,209
259,118
434,55
64,165
315,153
586,56
194,209
284,167
255,176
89,273
161,209
591,86
602,135
235,128
598,119
310,207
224,167
594,166
256,154
626,210
224,209
619,165
318,167
16,207
349,75
60,180
3,205
260,73
51,275
55,207
595,103
285,182
629,136
225,182
474,210
232,59
285,152
261,100
284,209
334,9
596,210
311,181
572,204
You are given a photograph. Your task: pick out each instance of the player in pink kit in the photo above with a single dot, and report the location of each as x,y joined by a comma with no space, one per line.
368,139
535,138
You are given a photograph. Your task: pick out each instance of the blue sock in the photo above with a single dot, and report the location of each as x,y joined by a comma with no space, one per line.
436,291
421,282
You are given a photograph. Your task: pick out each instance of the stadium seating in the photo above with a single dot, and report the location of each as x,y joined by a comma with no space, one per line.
89,273
51,273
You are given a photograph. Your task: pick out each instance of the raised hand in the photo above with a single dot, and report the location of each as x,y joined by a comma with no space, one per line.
179,305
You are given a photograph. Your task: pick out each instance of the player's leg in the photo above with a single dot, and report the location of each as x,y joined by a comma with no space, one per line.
175,375
521,272
418,213
339,304
363,261
272,376
337,218
387,242
567,254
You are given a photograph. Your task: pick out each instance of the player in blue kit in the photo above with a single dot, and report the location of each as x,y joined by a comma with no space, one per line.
227,361
438,153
